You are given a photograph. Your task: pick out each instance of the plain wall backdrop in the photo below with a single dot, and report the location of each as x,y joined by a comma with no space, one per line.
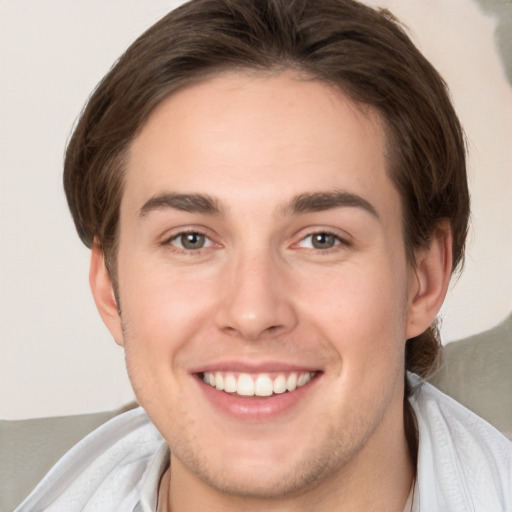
56,357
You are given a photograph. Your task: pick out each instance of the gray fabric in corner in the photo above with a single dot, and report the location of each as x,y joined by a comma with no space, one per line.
29,448
477,372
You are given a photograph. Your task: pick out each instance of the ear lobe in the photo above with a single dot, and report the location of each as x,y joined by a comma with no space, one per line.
103,293
429,280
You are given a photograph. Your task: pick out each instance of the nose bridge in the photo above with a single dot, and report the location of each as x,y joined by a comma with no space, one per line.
255,302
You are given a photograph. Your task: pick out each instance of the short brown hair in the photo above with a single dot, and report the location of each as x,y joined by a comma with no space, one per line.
361,51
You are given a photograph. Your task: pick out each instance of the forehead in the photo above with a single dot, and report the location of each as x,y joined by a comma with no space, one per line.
251,131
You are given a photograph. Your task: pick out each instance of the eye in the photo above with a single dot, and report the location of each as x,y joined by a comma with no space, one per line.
190,241
321,241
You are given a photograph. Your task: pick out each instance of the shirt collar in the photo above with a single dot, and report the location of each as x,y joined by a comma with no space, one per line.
149,492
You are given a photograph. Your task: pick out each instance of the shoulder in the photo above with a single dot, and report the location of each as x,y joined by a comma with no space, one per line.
102,471
464,463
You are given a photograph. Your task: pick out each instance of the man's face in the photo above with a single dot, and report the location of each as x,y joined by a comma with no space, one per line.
261,250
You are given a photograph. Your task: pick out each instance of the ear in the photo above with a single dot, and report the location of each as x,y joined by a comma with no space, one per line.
429,280
103,293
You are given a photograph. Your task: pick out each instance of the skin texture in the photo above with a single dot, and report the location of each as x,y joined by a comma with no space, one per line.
259,292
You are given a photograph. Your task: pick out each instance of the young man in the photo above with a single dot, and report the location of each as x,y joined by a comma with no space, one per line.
275,197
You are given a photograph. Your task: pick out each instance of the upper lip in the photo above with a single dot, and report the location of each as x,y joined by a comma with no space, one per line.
254,367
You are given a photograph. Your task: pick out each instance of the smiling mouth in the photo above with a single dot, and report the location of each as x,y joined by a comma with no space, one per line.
257,385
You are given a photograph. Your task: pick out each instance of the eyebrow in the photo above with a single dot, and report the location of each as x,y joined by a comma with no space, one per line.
320,201
303,203
193,203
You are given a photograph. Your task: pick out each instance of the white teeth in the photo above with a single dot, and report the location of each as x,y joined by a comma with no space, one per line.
245,385
230,383
263,386
260,385
219,381
279,384
303,379
291,382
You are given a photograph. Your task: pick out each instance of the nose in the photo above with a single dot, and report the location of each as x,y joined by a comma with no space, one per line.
256,299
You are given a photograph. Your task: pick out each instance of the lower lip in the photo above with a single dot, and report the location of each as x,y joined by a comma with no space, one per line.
256,409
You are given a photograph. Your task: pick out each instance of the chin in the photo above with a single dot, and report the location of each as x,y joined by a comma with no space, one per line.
267,470
261,480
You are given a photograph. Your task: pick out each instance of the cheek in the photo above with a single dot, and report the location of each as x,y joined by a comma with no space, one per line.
160,318
161,311
362,311
161,305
